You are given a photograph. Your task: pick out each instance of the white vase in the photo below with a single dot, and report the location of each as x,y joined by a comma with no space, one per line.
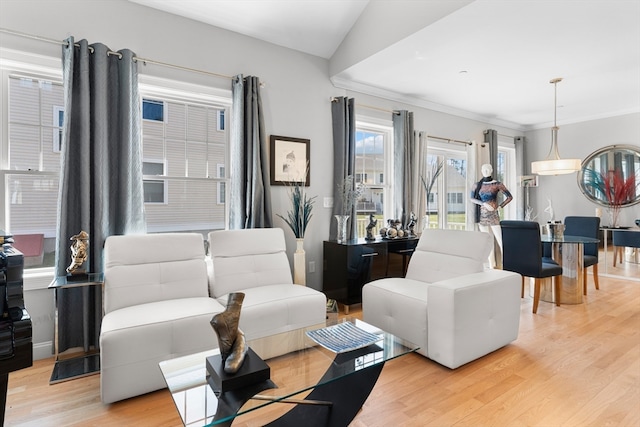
425,222
342,220
299,270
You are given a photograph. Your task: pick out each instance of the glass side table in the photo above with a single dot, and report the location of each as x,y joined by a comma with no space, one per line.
79,364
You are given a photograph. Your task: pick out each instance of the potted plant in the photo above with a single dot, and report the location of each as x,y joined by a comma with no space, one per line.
433,172
297,219
349,195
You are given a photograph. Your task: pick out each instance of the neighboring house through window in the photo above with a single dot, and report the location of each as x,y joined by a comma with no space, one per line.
185,150
372,141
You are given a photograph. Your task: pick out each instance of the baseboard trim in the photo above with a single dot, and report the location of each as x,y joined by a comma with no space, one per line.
42,350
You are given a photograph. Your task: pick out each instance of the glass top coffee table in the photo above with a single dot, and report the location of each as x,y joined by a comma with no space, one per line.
324,386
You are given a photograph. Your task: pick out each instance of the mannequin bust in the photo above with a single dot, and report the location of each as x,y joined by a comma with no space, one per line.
485,195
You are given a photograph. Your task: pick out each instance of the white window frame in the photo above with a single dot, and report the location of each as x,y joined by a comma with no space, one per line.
36,67
386,127
164,109
507,147
57,143
155,179
222,186
438,148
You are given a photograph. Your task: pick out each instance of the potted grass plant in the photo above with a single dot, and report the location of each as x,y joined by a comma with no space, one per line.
433,172
298,218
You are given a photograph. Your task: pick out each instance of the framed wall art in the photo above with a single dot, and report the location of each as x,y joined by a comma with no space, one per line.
290,162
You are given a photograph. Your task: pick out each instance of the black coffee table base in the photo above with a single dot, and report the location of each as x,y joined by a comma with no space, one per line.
333,404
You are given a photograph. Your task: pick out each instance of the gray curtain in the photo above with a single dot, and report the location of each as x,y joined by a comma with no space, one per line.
420,170
101,189
344,135
491,139
250,204
404,151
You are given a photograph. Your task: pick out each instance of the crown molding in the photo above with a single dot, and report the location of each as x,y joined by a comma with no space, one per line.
418,102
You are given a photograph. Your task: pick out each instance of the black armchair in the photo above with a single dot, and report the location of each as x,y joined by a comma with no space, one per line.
522,253
585,226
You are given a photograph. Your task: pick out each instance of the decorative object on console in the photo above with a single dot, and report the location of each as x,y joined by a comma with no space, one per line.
233,347
372,223
349,194
78,254
411,225
553,164
342,221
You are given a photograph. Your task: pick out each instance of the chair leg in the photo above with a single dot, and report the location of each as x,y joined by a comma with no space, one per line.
584,281
558,286
595,276
536,294
522,291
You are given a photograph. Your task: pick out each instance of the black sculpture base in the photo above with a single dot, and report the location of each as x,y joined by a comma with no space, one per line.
253,370
77,277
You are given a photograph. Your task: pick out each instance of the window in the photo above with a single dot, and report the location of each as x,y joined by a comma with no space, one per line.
448,211
154,189
30,173
184,152
181,142
506,173
153,110
372,141
221,185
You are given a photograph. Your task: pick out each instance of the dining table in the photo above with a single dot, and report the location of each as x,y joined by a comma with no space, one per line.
568,252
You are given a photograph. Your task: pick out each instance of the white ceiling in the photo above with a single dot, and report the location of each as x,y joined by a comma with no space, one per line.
491,59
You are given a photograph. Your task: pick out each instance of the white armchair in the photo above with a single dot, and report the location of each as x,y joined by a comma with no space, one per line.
448,303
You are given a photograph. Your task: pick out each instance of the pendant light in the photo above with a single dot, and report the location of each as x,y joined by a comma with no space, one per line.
553,164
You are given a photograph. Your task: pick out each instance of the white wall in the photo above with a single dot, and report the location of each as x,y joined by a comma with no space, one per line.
295,99
578,141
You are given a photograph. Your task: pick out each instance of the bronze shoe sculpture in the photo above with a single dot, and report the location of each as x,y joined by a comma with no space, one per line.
231,340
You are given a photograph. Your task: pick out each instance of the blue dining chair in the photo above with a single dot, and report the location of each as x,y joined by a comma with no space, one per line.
522,253
585,226
622,239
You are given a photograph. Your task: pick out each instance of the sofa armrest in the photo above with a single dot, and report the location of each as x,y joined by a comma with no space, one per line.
472,315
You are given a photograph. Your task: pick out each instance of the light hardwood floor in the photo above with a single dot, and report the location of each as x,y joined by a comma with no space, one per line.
573,365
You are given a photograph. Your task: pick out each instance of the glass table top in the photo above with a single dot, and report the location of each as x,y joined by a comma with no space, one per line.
294,374
568,239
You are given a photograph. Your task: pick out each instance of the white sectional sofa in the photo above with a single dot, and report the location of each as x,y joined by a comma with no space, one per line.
448,303
160,293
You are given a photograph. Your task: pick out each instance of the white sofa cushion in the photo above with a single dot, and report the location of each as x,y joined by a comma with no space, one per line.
273,309
133,340
443,254
398,306
244,260
154,267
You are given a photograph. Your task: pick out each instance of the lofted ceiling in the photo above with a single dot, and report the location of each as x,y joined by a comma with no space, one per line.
490,60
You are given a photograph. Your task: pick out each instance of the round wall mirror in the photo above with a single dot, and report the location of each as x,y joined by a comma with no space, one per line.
611,175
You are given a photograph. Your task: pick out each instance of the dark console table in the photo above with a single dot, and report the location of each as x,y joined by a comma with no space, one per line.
348,266
16,346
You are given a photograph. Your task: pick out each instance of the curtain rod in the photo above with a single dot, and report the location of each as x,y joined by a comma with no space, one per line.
371,107
144,61
334,99
451,140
